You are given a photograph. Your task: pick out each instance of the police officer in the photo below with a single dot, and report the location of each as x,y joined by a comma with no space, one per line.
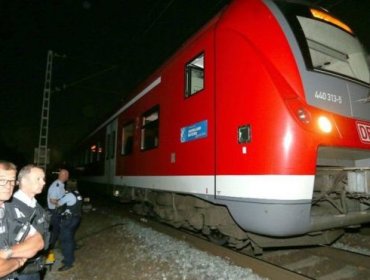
71,203
13,256
26,209
56,191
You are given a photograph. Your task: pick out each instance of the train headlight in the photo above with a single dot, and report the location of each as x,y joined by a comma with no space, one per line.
325,124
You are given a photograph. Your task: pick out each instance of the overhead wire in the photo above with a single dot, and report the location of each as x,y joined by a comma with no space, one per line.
133,40
65,86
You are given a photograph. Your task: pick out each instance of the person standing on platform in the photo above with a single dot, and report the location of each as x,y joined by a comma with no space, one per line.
56,191
16,245
26,209
71,203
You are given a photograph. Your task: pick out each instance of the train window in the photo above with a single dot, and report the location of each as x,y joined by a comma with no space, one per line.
111,145
194,75
127,138
107,141
93,153
334,50
327,44
150,129
86,156
99,151
91,156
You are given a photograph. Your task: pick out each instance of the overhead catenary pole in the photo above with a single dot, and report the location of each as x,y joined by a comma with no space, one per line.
41,154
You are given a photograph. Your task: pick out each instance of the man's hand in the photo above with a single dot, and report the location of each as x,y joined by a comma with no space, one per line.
6,253
53,201
29,247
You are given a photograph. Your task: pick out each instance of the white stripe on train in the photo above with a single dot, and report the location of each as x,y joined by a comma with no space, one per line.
269,187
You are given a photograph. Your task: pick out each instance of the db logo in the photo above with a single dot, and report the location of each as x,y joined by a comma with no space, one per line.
364,132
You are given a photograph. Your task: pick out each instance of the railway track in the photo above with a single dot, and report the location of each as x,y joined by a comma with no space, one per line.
322,262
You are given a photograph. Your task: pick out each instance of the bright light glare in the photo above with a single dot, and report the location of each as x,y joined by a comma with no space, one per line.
325,124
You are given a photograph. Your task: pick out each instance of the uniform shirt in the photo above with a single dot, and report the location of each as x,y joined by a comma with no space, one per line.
56,191
68,199
30,202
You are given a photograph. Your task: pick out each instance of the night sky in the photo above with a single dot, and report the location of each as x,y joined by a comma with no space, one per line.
105,48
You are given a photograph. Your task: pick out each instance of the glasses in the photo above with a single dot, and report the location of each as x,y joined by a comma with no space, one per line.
4,182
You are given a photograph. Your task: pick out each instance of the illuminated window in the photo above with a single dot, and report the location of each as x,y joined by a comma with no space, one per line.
150,129
127,138
194,76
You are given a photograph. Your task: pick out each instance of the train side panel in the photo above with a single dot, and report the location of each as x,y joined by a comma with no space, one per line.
176,156
260,176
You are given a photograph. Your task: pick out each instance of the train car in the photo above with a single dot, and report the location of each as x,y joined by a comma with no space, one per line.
255,133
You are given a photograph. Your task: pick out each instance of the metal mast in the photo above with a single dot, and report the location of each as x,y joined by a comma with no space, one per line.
42,153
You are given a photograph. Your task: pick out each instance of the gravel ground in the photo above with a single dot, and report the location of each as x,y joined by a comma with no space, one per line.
112,247
355,242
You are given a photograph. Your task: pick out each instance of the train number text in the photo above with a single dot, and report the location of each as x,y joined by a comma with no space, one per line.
328,97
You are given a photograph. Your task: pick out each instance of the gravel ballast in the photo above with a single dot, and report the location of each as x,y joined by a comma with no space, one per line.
113,247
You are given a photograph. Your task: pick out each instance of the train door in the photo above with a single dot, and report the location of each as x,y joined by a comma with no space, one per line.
197,134
233,106
110,155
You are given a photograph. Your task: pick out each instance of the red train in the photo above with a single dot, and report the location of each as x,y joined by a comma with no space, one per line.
256,132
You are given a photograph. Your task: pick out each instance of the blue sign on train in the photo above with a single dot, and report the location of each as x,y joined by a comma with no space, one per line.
194,131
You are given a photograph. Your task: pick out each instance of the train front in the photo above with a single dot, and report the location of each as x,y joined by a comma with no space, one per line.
313,126
335,75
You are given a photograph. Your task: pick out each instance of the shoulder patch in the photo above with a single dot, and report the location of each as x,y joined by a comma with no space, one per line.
19,213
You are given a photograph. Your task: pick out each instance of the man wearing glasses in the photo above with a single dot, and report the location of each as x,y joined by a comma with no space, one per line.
12,257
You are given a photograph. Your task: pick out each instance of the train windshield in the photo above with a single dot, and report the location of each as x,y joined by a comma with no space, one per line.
328,45
333,48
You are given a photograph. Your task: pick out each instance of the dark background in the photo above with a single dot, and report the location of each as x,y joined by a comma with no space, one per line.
105,48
